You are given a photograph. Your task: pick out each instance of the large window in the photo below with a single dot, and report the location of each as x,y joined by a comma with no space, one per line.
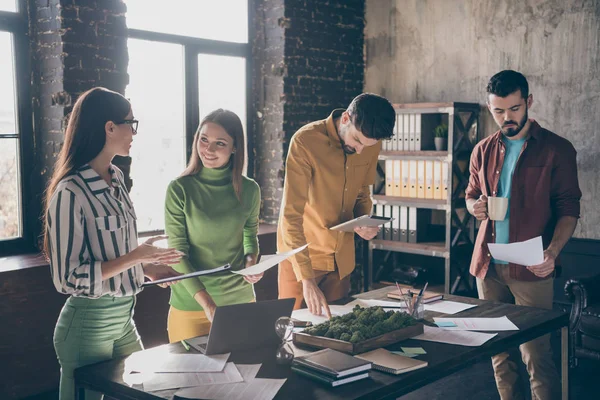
184,61
15,130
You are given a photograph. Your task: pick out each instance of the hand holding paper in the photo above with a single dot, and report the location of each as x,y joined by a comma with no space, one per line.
269,262
529,252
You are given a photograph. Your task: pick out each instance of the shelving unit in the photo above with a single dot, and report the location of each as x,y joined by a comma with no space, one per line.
463,134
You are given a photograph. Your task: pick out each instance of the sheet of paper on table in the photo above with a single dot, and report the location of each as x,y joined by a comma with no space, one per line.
479,324
442,306
163,381
463,338
256,389
152,361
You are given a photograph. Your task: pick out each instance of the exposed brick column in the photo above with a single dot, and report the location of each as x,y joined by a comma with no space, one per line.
308,57
76,45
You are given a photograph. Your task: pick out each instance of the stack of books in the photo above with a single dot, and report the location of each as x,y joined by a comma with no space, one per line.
331,367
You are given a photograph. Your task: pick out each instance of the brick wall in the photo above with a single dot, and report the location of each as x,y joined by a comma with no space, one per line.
76,45
321,67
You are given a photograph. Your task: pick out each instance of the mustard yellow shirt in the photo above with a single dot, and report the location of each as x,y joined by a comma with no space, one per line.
323,187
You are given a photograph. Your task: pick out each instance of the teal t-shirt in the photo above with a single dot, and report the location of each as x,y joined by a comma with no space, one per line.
205,220
513,149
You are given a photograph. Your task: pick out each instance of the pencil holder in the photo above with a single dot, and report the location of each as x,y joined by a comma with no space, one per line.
414,306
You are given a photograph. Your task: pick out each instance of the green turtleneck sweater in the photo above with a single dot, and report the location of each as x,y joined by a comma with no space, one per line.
205,220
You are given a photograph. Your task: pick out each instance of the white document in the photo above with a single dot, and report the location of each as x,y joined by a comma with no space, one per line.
529,252
376,303
248,371
256,389
160,381
269,262
442,306
479,324
448,307
362,221
186,276
305,315
462,338
151,362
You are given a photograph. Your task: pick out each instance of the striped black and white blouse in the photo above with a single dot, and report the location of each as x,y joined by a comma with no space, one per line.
90,222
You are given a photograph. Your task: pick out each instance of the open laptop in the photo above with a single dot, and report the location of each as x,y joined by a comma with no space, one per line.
243,327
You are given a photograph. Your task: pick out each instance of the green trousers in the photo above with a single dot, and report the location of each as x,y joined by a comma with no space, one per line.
93,330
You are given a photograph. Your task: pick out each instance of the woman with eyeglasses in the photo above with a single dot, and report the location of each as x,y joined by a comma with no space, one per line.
91,239
211,215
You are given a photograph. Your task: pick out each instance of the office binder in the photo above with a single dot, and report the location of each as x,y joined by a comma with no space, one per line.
445,178
437,180
404,224
396,223
429,179
397,178
405,171
387,228
389,178
421,179
412,171
406,132
418,132
411,133
400,141
418,222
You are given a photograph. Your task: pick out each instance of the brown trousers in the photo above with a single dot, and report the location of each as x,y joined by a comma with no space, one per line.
329,282
536,354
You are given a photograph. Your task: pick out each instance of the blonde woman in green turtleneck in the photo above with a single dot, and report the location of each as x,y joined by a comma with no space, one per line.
211,214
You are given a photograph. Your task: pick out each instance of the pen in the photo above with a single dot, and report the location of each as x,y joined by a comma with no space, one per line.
399,289
185,345
424,289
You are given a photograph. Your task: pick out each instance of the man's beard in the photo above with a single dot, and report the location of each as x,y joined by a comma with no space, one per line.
347,149
512,132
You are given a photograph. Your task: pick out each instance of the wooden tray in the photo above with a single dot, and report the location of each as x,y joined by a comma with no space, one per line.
361,347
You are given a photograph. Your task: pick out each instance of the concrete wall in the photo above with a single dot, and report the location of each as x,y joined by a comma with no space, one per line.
446,50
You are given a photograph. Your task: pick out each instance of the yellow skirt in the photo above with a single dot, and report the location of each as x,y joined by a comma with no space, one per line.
187,324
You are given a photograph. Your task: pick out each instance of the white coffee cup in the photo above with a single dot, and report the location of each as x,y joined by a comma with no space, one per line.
497,207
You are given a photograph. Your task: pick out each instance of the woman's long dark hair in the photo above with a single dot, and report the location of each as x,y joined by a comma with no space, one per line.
85,137
232,124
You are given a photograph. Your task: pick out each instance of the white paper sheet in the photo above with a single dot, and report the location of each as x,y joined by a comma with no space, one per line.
269,262
448,307
442,306
529,252
151,362
305,315
376,303
479,324
257,389
248,371
190,275
163,381
462,338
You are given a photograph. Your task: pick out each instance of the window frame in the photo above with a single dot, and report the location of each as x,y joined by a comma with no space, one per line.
16,23
192,47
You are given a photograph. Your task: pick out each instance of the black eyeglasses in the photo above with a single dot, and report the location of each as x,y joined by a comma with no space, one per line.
133,122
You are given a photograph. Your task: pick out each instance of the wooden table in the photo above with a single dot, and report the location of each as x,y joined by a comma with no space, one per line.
443,359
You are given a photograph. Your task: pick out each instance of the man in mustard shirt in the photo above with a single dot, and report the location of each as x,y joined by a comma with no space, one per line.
330,165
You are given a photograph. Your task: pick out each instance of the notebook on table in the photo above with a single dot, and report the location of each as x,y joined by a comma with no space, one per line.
332,363
391,363
428,297
328,380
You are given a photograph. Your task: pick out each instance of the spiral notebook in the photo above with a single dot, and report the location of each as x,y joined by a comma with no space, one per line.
391,363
